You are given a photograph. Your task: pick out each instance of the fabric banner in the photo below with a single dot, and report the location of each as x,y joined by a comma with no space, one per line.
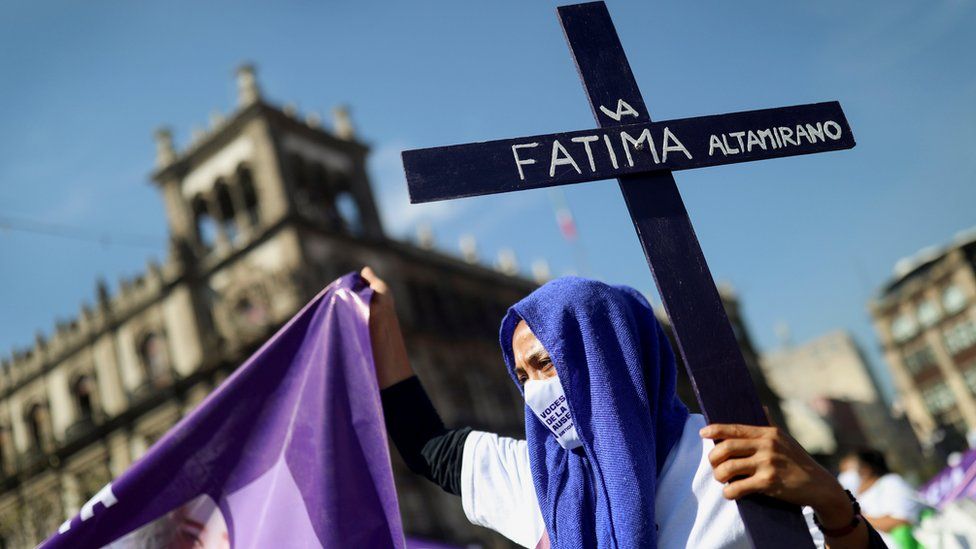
290,451
952,483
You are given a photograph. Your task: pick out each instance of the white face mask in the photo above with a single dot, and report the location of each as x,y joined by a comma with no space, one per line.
548,401
849,480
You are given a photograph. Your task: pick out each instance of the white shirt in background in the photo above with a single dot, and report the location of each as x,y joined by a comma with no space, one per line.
890,496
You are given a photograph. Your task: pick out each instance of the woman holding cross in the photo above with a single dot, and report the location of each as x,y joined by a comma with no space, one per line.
612,458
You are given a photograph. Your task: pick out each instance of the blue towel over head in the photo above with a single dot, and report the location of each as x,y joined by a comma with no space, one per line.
618,372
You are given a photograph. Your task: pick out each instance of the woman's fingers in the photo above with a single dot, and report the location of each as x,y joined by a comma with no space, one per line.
375,282
767,460
720,431
732,448
748,458
754,484
370,276
734,468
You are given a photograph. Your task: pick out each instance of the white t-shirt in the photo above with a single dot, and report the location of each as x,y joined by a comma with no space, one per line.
690,510
890,496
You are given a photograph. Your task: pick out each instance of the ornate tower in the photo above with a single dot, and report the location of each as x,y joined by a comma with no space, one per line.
261,209
262,166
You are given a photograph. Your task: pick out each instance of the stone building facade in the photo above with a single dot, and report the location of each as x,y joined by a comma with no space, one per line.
263,211
833,403
926,320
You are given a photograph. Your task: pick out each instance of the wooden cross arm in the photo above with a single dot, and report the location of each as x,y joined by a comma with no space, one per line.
537,161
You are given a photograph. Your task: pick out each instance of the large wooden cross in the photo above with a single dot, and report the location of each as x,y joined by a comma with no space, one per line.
642,154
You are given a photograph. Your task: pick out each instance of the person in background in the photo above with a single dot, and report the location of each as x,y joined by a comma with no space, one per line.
849,477
887,501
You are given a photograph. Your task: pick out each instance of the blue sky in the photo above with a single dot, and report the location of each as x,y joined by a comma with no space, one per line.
805,240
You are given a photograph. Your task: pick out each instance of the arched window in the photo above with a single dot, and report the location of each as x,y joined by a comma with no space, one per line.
318,189
154,358
206,227
36,419
83,392
349,212
300,181
953,299
225,210
919,359
904,327
928,313
5,447
316,202
960,336
249,193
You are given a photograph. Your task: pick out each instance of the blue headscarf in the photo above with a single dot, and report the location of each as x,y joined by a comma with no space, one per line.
618,372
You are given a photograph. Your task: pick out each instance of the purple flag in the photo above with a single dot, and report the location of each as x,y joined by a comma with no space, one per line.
290,451
952,483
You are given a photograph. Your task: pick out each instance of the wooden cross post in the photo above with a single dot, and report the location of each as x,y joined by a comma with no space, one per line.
641,154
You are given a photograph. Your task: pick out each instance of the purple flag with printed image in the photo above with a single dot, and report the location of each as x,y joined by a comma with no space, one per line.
290,451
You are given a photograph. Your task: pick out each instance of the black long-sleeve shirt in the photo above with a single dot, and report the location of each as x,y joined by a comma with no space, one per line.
428,448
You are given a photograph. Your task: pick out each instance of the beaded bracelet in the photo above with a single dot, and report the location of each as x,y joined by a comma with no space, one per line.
843,530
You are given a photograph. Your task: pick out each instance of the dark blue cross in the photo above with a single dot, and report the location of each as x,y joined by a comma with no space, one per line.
641,154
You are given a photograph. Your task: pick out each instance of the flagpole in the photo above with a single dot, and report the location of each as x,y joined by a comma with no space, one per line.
567,227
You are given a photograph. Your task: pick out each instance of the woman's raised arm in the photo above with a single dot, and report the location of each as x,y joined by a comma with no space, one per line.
389,350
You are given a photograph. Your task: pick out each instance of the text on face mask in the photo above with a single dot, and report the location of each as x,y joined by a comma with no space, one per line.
556,416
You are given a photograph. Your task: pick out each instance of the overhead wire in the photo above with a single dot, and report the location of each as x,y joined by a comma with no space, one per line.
57,230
